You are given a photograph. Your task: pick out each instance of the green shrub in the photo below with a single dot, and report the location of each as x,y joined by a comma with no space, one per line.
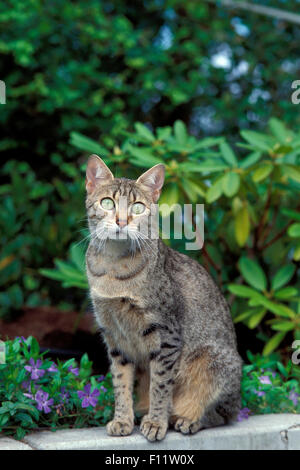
38,222
252,239
37,393
100,69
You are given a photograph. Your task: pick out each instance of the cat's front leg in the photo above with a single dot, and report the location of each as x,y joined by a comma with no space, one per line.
122,377
154,425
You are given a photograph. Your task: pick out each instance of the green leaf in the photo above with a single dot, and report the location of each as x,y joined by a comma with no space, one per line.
278,309
258,140
192,190
228,154
253,273
142,156
68,270
256,318
34,346
163,133
180,132
244,315
144,132
273,343
282,369
283,326
294,230
214,192
169,197
243,291
262,172
253,158
208,142
279,130
230,183
78,256
202,167
242,225
282,276
88,145
292,172
286,293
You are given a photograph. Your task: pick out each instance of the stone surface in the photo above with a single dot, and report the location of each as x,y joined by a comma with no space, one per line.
294,437
6,443
269,432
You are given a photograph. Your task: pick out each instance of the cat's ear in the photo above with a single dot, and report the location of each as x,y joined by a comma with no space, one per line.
97,173
153,180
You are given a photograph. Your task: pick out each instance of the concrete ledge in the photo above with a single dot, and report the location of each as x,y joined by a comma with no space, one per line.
263,432
7,443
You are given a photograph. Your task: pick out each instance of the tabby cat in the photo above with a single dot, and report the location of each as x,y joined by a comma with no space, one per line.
163,319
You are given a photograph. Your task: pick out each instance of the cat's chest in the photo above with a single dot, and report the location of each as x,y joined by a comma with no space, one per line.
114,280
124,323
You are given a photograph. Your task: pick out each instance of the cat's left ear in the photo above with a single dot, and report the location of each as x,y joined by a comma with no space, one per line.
153,180
97,173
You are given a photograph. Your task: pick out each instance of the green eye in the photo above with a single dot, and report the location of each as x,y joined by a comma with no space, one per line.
138,208
107,203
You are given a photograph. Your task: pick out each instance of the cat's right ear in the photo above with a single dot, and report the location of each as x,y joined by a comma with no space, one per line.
97,173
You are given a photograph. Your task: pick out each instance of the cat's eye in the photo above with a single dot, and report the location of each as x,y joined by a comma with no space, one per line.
138,208
107,203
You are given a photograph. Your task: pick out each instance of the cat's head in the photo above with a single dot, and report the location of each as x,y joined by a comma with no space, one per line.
120,208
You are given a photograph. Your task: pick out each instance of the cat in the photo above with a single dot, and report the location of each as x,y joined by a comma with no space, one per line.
163,319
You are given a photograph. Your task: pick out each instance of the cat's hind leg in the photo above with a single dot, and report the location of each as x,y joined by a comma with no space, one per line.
196,389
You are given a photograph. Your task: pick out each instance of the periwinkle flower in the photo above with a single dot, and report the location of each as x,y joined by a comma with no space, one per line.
43,404
88,397
293,396
64,395
243,414
265,379
21,339
259,393
52,368
34,369
74,370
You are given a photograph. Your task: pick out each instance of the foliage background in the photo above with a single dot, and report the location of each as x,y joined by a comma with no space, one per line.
188,72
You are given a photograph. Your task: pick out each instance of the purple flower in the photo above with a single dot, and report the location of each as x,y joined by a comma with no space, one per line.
21,339
64,395
43,404
243,414
74,370
103,388
259,393
101,378
36,373
265,379
29,395
293,396
52,368
26,384
88,397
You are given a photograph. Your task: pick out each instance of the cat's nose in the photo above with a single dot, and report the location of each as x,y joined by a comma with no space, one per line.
121,223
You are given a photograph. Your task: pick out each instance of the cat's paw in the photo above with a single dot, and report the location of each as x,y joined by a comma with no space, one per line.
186,426
153,430
119,427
